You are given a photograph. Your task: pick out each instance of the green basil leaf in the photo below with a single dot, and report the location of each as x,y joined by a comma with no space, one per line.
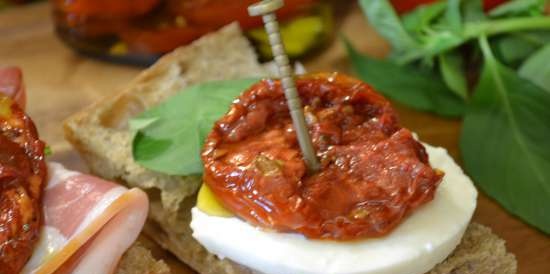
473,11
420,18
451,67
382,16
140,123
537,68
169,137
443,40
432,45
443,35
436,33
436,36
452,16
428,42
519,7
512,50
415,87
504,141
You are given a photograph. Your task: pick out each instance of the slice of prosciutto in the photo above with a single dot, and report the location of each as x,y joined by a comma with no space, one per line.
88,223
11,84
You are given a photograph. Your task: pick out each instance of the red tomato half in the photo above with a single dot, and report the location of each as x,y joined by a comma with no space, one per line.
23,173
90,27
217,13
373,172
106,8
404,6
491,4
160,40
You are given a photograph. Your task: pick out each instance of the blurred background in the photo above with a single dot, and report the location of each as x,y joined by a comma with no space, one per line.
139,31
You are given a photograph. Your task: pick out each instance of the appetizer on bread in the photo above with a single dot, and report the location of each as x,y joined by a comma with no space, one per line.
383,202
53,219
372,199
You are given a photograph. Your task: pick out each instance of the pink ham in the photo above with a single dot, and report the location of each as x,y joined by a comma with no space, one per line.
89,224
11,84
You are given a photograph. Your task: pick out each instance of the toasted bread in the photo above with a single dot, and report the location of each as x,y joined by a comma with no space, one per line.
139,260
100,133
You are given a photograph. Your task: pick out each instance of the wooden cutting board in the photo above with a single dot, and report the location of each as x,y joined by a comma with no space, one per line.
60,82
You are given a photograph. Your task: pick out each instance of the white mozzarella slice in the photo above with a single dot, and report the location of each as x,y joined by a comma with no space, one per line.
424,239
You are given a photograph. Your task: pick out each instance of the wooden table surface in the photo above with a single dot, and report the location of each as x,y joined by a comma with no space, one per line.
60,82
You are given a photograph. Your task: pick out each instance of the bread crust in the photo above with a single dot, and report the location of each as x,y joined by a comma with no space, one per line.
100,133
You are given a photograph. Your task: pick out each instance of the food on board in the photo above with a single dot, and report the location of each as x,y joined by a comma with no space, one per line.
213,239
53,219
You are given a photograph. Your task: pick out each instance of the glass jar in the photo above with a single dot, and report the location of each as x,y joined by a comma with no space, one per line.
139,31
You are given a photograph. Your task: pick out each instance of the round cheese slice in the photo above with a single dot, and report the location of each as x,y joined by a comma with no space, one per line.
424,239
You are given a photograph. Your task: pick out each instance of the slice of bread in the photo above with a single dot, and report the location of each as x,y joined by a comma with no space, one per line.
139,260
100,133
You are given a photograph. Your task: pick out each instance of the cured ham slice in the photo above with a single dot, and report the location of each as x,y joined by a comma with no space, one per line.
88,223
84,223
11,84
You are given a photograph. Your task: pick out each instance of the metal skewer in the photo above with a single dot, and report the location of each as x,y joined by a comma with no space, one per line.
266,9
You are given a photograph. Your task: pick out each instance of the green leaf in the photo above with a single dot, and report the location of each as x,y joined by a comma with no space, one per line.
473,11
443,40
427,42
432,45
452,15
435,33
519,7
537,68
414,87
140,123
505,144
451,67
382,16
169,137
420,18
435,36
505,25
514,48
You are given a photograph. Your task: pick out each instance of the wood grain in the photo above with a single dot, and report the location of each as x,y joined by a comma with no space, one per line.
60,82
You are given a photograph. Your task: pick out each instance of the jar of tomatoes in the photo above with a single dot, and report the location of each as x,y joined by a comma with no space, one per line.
139,31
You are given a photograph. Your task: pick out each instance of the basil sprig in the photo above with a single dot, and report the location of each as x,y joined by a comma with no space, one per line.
452,59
